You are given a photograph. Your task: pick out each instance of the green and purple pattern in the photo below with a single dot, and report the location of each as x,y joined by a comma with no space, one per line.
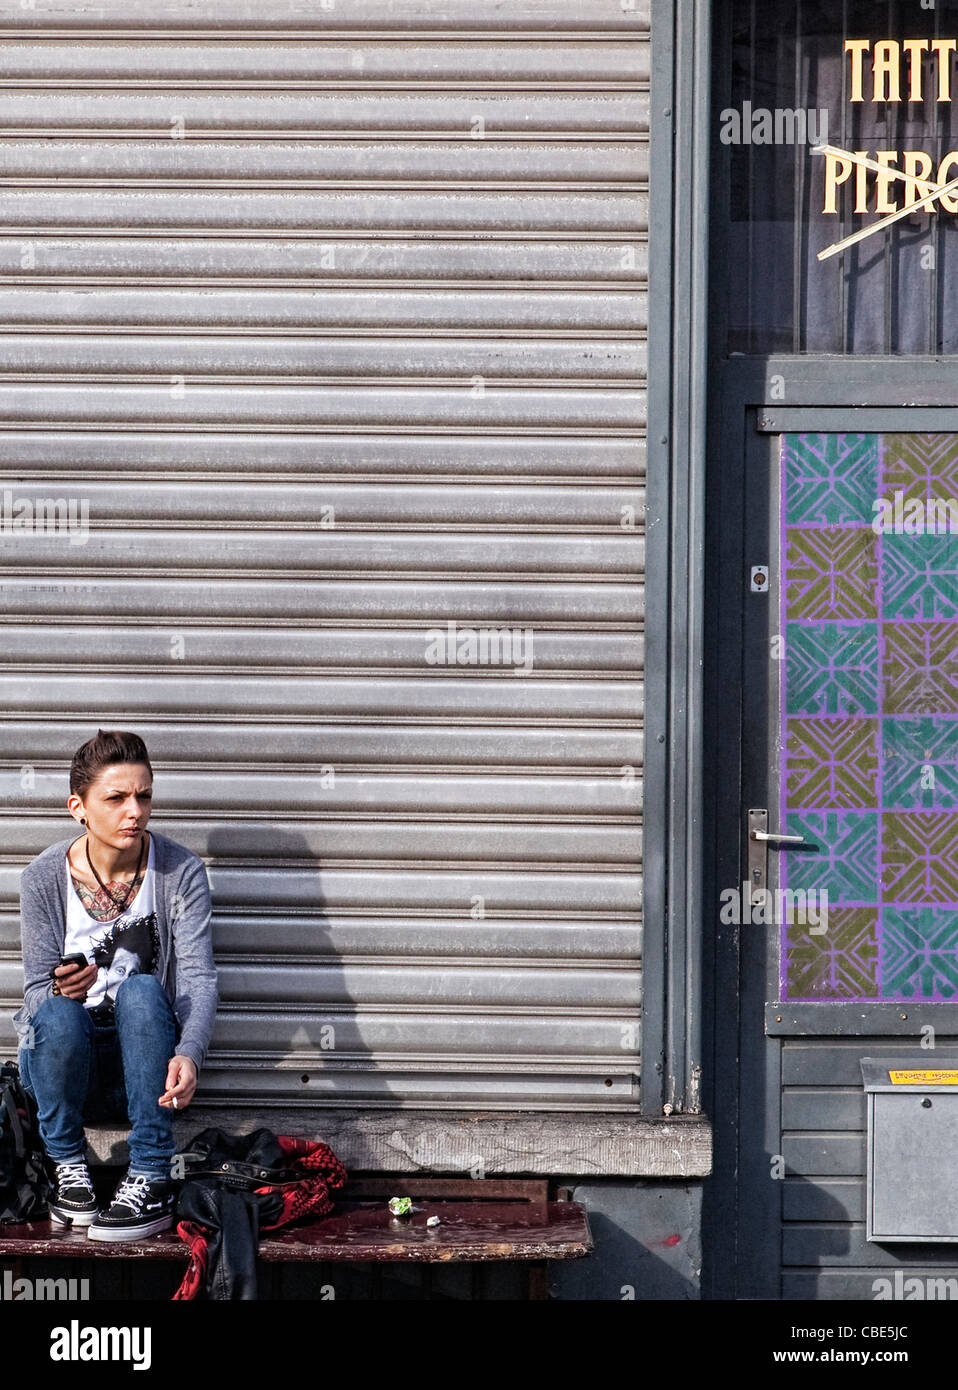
869,713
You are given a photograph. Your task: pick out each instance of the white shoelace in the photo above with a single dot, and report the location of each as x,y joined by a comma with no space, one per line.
74,1175
132,1192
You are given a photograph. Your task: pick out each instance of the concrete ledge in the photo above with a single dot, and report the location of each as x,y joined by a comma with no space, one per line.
482,1143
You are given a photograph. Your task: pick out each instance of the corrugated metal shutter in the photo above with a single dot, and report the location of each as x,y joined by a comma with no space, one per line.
333,317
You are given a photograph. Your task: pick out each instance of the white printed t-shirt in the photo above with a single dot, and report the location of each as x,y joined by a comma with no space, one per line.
128,945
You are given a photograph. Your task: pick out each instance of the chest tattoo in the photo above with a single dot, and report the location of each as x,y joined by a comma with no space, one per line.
99,904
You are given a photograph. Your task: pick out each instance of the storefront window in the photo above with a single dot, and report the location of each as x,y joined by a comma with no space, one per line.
876,84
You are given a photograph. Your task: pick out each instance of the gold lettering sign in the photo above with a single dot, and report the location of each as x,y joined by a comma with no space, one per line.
885,57
892,70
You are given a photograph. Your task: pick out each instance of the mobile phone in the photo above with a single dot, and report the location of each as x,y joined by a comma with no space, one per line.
78,958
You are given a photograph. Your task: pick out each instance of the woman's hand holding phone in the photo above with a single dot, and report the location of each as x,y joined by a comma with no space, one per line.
72,979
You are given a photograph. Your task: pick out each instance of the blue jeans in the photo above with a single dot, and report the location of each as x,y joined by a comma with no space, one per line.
80,1069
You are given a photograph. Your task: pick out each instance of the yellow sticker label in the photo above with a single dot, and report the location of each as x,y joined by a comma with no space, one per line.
923,1078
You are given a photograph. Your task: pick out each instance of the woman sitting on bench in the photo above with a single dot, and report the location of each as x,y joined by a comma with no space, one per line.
120,988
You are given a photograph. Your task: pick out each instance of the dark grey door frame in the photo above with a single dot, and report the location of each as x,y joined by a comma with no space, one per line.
744,1022
675,519
746,396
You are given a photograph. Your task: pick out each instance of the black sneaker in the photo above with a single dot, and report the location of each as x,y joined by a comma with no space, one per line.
141,1207
74,1203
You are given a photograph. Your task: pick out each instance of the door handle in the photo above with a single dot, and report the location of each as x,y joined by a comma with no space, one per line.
760,837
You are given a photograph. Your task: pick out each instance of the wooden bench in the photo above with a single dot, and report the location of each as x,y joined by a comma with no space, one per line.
479,1221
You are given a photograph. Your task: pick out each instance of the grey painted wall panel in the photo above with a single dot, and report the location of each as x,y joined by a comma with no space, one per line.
115,210
182,258
310,62
284,602
335,322
305,504
845,1245
827,1155
427,793
304,16
245,649
647,1243
235,111
157,160
309,745
866,1285
824,1145
459,311
463,404
377,840
821,1199
522,892
338,984
538,1040
317,552
831,1108
433,1044
259,455
322,357
423,1083
837,1061
164,694
316,890
438,939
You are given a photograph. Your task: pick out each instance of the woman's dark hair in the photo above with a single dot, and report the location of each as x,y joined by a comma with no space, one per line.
111,746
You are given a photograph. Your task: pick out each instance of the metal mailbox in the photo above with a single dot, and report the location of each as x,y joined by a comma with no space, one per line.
912,1167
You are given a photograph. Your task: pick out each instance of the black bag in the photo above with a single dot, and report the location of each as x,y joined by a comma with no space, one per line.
24,1186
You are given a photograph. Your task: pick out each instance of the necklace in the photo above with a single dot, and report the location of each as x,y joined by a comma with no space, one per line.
129,889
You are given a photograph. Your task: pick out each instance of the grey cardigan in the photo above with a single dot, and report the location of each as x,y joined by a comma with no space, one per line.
185,966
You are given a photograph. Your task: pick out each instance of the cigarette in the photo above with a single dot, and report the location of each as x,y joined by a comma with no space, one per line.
176,1103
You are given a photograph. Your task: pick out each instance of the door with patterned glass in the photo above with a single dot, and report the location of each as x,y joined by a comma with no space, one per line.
843,925
863,647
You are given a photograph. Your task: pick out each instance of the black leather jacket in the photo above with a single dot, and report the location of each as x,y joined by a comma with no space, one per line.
238,1185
